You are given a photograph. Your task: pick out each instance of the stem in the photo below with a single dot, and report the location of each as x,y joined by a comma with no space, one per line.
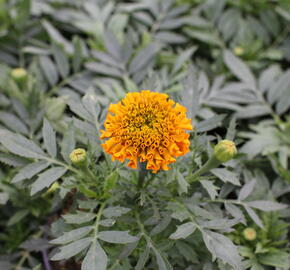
210,164
142,175
99,215
45,260
89,173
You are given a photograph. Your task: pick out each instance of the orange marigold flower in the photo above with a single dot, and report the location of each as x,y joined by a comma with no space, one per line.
149,127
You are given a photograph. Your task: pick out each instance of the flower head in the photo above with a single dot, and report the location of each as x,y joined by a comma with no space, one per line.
147,127
225,150
78,156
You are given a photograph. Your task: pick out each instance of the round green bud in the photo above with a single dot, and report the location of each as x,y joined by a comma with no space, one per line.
225,150
19,74
78,156
250,234
238,51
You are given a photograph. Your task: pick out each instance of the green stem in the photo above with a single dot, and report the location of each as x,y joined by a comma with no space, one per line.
99,215
142,175
210,164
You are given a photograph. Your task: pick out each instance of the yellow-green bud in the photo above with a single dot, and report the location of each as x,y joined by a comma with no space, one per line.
238,51
225,150
19,74
78,156
250,234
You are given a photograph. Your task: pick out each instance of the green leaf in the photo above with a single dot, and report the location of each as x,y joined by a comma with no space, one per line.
13,122
226,176
49,70
96,258
254,216
276,258
222,248
239,69
267,205
61,60
68,143
183,231
4,197
19,215
210,188
161,262
72,249
13,160
161,226
29,171
115,211
143,259
204,36
182,183
246,190
143,57
79,218
118,237
47,178
49,138
210,123
72,235
19,145
231,132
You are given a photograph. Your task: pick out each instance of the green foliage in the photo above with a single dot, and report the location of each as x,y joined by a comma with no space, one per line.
225,60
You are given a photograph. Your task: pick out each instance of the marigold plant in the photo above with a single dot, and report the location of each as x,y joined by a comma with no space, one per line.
147,127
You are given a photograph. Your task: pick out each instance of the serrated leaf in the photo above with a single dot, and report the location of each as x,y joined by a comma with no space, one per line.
79,218
246,190
47,178
72,249
231,132
254,216
19,215
49,138
162,265
278,259
72,235
267,205
210,123
210,188
183,231
49,69
115,211
96,258
30,170
144,256
235,212
143,57
161,226
13,160
118,237
61,61
226,176
239,68
182,184
222,248
13,122
68,144
19,145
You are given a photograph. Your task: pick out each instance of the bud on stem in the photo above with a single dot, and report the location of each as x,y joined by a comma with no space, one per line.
224,151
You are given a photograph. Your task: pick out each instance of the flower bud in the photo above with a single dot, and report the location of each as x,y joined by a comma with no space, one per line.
78,156
19,74
225,150
238,51
250,234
